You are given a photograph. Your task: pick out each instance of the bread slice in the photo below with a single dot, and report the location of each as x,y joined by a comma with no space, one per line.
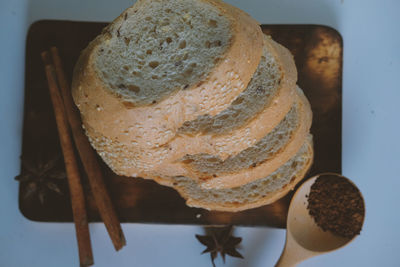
268,97
254,194
161,63
253,163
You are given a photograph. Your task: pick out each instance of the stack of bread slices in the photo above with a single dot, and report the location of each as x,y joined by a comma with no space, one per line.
192,94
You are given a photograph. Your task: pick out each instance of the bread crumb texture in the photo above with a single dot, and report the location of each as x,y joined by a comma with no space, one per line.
165,46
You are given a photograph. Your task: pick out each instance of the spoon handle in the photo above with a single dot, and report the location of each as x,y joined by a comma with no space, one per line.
287,260
292,253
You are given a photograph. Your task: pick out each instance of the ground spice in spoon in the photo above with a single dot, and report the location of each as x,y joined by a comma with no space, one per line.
336,206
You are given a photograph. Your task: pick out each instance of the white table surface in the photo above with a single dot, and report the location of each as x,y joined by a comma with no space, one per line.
371,147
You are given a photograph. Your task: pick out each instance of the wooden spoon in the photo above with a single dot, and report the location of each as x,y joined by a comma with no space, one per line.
304,238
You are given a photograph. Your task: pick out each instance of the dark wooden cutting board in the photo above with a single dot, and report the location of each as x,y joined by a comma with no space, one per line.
318,55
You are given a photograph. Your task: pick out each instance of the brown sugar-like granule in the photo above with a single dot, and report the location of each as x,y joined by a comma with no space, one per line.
336,206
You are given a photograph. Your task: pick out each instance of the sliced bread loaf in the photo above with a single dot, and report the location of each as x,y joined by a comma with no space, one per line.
161,63
254,194
191,94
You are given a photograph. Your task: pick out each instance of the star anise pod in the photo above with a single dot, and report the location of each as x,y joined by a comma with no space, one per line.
220,241
39,177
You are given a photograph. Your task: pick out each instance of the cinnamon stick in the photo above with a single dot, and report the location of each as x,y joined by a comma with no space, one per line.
71,166
89,159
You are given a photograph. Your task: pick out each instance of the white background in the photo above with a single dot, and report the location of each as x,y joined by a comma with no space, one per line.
371,146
